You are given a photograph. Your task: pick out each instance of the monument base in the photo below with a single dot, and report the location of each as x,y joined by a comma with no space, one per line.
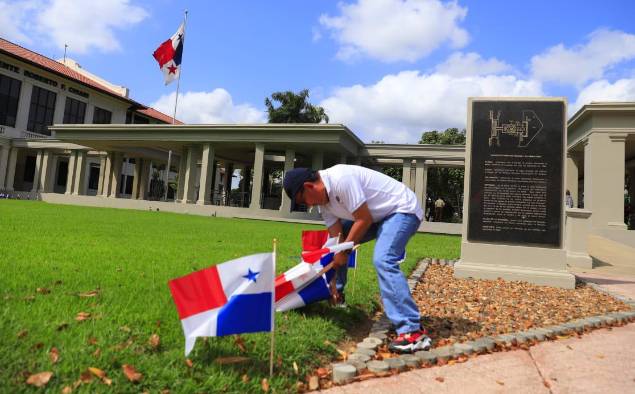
541,266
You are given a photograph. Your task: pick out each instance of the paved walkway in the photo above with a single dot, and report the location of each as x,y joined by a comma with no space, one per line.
602,361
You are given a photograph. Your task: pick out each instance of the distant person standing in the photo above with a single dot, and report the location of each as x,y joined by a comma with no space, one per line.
439,204
568,200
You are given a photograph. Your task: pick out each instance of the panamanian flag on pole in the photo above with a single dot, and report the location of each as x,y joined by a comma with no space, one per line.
295,291
169,55
234,297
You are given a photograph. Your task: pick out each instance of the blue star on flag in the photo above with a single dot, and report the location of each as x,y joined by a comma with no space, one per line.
251,275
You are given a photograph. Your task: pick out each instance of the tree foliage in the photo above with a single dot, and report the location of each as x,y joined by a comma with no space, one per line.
294,108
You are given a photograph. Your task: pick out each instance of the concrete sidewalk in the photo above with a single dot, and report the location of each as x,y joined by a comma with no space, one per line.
602,361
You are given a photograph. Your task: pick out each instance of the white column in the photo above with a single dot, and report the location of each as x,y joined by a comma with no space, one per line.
421,180
24,104
4,162
189,185
10,178
136,177
38,170
631,194
318,161
207,166
144,178
256,189
102,171
289,158
405,177
46,171
182,171
60,104
604,171
70,178
79,188
115,165
572,177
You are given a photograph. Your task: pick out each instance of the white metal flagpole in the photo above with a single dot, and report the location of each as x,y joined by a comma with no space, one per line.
176,100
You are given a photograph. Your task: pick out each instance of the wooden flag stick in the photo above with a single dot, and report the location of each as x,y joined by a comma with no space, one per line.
354,276
273,309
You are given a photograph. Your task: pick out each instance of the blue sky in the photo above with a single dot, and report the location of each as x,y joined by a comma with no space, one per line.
388,69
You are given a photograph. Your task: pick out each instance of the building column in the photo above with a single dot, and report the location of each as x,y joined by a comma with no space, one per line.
135,178
117,163
421,181
4,162
207,169
631,195
47,172
289,159
572,177
102,170
71,172
144,179
256,188
318,161
60,104
10,178
189,186
405,177
604,172
182,169
24,104
80,174
38,169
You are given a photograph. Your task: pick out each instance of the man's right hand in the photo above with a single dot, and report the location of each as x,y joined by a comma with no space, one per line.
340,260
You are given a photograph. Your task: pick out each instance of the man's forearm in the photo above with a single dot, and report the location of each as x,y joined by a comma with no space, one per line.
358,230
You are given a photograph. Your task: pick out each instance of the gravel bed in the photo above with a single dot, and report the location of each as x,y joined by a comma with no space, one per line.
458,310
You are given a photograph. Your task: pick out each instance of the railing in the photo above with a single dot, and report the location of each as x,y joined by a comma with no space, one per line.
31,135
1,129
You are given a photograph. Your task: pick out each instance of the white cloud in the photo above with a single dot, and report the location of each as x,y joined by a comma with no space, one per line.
394,30
603,90
213,107
469,64
82,24
582,63
399,107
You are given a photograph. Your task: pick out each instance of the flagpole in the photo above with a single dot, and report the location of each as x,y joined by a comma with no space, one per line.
176,100
273,308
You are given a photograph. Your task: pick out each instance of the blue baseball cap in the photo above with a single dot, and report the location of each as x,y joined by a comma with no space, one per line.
294,180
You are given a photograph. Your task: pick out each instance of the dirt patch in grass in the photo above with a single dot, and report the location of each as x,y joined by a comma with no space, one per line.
458,310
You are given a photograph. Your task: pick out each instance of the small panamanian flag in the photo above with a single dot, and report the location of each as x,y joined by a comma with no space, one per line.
169,55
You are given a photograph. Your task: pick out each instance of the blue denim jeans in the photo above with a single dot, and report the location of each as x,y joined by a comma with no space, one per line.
392,235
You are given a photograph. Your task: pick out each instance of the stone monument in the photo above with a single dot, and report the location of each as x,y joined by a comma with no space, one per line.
513,210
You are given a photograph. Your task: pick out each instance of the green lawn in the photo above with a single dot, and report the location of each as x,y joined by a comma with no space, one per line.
128,257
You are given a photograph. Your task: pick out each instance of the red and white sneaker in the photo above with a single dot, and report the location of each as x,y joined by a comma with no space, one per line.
411,342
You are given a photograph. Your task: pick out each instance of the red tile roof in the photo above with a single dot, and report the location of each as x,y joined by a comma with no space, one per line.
58,68
153,113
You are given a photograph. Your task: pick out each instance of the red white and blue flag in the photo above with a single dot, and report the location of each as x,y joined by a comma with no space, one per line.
303,284
169,55
234,297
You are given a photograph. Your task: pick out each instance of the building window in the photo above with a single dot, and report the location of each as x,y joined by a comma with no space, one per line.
9,97
41,111
74,111
101,116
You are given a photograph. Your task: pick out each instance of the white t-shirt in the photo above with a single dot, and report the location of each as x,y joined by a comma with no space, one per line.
348,187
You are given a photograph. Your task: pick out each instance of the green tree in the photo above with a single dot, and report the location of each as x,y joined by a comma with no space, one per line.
294,108
446,182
